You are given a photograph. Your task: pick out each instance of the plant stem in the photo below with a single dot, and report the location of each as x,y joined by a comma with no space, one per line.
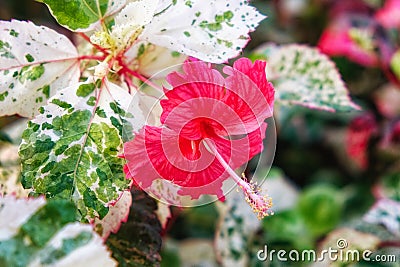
84,36
91,57
126,69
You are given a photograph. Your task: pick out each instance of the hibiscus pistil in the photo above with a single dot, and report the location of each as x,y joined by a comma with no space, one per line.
260,204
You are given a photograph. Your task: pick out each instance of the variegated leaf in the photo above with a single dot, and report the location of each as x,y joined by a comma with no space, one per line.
34,63
70,150
9,181
213,32
10,171
82,15
385,212
130,21
36,233
236,229
138,241
304,76
163,213
236,241
166,192
117,214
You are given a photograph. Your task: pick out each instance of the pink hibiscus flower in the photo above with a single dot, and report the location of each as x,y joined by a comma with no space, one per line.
211,125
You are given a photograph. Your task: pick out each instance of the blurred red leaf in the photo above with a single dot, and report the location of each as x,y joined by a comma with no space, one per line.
358,135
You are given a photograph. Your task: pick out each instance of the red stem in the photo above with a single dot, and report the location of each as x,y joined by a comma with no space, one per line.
129,84
126,69
91,57
84,36
389,244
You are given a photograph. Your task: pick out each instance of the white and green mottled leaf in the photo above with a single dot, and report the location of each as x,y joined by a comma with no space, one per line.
15,212
10,171
236,229
36,233
163,213
130,21
82,15
70,150
10,182
213,32
138,13
385,212
89,249
166,192
117,214
35,62
304,76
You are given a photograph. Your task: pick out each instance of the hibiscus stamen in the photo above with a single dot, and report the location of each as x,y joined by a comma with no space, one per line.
260,204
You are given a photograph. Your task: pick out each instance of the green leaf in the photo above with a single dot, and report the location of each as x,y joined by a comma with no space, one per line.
37,233
81,15
34,63
288,227
395,63
70,150
304,76
389,185
321,208
138,241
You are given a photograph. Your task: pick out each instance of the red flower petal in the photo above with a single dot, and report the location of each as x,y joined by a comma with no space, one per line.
161,153
195,71
257,73
240,103
250,83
